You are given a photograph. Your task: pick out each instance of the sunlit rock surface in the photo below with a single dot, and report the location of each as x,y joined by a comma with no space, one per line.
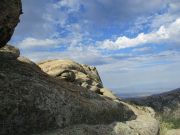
81,75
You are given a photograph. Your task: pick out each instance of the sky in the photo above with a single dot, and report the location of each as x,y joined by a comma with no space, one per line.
134,44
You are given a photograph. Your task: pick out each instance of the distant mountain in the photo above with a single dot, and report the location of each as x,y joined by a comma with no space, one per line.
134,94
167,103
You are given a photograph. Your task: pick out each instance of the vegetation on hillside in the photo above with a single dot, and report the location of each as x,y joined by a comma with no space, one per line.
168,123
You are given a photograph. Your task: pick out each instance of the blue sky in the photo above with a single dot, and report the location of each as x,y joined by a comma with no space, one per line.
134,44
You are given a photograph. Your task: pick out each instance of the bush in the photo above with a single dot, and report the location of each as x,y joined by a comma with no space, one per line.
167,123
164,127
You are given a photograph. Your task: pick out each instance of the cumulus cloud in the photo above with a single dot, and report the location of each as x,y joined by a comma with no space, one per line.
117,11
33,22
81,54
83,30
142,49
71,5
164,33
32,42
50,17
143,73
156,79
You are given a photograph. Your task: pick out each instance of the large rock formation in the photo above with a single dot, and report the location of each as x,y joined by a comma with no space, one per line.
30,99
33,102
81,75
10,11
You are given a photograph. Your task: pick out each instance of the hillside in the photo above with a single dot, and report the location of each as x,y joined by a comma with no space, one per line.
167,103
167,107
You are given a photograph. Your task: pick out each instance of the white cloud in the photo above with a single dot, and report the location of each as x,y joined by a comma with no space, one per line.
174,6
72,5
157,78
109,12
139,62
143,49
147,72
164,33
77,24
32,42
72,39
85,55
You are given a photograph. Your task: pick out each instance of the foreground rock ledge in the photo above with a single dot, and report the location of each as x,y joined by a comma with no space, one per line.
144,124
32,102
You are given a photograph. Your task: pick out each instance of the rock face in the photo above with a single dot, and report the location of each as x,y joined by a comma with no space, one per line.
32,102
142,125
9,53
30,99
26,60
10,11
81,75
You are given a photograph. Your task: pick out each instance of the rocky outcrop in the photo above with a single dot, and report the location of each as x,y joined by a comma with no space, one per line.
34,102
144,124
9,53
81,75
108,93
10,11
93,73
30,99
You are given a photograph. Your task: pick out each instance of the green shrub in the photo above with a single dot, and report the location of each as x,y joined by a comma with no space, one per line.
167,123
164,127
